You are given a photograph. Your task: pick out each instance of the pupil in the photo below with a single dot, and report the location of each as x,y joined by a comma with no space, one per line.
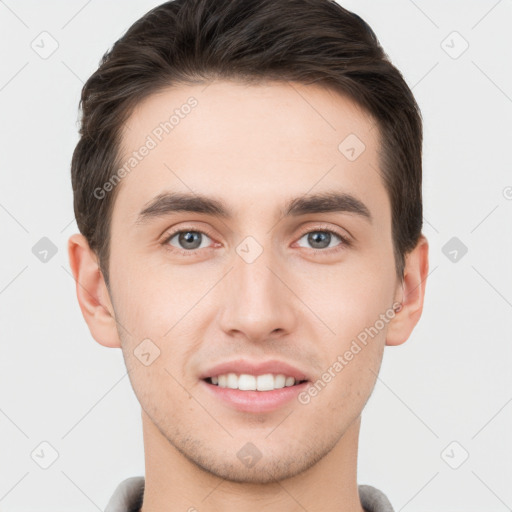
313,238
188,238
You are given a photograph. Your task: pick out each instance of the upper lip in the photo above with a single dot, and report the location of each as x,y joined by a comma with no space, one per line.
256,368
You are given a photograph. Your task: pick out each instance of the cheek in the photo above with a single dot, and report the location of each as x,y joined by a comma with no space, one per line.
151,294
167,306
347,298
352,352
354,312
160,388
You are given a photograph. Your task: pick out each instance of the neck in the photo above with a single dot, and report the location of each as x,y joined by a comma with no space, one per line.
174,482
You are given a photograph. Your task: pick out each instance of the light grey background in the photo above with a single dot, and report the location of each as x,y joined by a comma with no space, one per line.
450,382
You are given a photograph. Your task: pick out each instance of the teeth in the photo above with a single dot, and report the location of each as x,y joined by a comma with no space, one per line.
246,382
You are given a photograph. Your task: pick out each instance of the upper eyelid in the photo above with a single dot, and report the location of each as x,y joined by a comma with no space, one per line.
322,228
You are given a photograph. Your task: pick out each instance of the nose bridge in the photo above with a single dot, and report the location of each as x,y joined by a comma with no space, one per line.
252,270
255,301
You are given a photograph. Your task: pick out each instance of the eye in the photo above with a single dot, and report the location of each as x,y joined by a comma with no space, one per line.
187,240
321,239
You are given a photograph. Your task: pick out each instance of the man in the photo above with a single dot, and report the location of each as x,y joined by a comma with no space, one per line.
248,190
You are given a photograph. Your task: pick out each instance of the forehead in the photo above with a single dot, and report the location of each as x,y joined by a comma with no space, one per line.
248,144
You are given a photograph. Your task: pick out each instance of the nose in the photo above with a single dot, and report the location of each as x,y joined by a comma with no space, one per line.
257,301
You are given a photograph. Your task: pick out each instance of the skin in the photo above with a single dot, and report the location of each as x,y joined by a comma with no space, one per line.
254,147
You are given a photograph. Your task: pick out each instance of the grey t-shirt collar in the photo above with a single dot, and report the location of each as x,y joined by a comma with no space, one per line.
128,496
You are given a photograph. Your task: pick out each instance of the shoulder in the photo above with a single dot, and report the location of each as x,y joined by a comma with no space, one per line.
373,500
127,496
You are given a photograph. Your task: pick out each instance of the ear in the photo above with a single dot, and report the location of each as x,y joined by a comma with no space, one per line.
92,292
411,294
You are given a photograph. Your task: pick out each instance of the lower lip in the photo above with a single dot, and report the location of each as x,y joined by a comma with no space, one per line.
256,401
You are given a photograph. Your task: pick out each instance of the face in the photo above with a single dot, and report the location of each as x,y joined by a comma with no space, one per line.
269,279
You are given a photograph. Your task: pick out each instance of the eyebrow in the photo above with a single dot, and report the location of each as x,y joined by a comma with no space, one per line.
176,202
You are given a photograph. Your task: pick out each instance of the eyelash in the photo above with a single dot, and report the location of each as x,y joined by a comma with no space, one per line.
345,242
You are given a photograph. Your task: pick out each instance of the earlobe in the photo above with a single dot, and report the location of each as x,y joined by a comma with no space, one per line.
412,292
92,292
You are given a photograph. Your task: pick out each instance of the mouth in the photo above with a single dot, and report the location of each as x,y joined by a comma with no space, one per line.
254,386
251,395
245,382
253,375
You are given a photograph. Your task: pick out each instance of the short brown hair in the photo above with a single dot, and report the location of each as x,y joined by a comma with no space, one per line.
194,41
